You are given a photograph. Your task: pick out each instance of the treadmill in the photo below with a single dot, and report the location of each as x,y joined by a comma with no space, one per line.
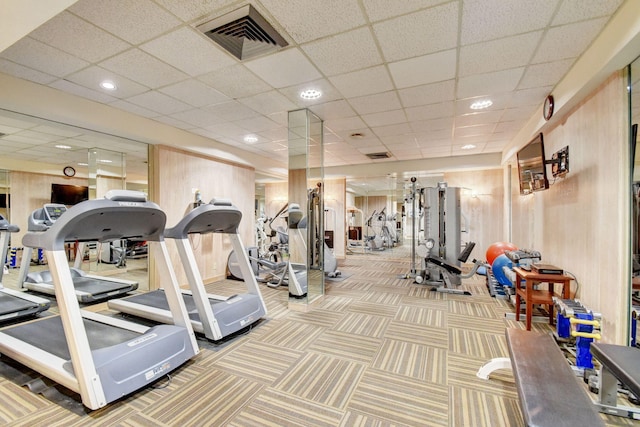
89,288
15,305
101,357
212,315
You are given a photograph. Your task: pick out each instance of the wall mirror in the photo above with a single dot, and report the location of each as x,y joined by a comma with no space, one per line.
42,158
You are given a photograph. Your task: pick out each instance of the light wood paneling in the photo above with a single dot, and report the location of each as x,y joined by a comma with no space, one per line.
176,176
581,222
30,191
335,191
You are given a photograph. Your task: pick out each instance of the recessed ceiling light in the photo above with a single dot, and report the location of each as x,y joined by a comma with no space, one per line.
108,85
63,147
468,147
250,139
357,135
310,94
479,105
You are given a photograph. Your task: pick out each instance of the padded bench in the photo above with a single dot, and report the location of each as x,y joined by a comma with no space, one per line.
619,363
550,393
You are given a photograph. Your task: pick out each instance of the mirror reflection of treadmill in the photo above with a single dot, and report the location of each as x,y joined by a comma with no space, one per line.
15,305
214,316
89,288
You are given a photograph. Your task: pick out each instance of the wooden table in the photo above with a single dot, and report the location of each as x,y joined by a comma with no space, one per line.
538,296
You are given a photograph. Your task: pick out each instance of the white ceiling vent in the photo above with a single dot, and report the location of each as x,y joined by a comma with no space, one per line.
378,156
244,33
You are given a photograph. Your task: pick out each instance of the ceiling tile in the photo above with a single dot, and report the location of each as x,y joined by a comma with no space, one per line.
199,118
285,68
268,102
44,58
67,86
425,69
76,36
500,101
135,109
195,93
432,111
529,97
548,74
385,118
277,134
423,32
568,41
478,118
426,141
171,121
344,52
67,132
521,113
580,10
307,20
190,51
376,103
491,19
489,83
22,72
378,10
91,77
445,123
143,68
474,130
395,130
190,10
347,123
333,110
363,82
428,94
257,124
235,82
135,21
495,55
510,126
232,111
156,101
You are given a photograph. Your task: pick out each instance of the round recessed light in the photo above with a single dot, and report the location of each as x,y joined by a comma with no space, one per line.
479,105
310,94
468,147
357,135
108,85
250,139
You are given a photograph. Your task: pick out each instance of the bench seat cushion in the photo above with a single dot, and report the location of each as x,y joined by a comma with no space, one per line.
622,361
550,393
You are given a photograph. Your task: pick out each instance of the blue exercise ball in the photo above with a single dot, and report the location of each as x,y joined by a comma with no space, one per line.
497,266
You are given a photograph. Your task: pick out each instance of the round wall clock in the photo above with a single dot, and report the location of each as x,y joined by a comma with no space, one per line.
547,110
69,171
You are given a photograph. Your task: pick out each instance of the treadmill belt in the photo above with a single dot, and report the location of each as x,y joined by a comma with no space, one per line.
47,334
158,299
94,286
10,304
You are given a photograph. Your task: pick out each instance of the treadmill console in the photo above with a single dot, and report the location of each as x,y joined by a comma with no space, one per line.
53,211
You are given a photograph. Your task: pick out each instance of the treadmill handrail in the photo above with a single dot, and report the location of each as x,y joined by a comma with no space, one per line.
207,218
101,220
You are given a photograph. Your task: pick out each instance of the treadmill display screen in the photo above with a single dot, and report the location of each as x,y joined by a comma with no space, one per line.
54,212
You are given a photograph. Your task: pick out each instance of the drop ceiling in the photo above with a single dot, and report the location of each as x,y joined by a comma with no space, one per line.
400,74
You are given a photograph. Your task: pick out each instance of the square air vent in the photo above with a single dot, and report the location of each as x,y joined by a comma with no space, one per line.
244,33
378,156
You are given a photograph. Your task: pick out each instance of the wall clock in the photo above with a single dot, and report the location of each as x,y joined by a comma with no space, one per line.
547,110
69,171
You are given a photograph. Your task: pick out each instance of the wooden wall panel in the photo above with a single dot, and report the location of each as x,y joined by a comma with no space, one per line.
30,191
177,174
581,222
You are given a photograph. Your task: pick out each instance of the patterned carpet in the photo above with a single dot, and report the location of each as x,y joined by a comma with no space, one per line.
377,351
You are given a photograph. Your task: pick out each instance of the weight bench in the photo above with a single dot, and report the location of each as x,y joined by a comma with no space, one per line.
550,393
619,363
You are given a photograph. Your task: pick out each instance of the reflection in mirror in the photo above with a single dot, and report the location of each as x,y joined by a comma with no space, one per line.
634,99
35,153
